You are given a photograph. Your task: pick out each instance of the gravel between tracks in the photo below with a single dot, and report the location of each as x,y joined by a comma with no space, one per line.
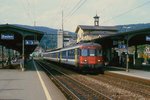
114,88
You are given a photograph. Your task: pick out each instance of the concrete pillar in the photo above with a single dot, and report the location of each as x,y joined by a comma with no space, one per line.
2,56
127,57
22,62
135,55
136,51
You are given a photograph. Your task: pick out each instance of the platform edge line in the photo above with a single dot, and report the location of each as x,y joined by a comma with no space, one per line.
43,84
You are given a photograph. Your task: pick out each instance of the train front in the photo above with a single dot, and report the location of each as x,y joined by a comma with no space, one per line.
91,58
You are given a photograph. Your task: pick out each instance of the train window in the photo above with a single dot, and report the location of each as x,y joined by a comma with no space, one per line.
71,54
54,55
84,52
92,52
64,54
99,52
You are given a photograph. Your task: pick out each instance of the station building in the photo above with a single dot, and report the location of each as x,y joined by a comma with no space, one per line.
121,49
90,32
64,38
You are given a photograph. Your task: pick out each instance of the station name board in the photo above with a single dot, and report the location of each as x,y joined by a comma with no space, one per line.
7,36
31,42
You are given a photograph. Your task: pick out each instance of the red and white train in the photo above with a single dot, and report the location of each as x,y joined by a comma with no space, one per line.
85,56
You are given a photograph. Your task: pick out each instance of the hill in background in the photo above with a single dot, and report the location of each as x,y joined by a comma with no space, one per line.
132,27
49,39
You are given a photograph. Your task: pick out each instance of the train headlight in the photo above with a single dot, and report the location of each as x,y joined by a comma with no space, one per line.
99,60
84,61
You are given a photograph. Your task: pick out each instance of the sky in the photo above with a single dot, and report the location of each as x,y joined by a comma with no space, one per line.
75,12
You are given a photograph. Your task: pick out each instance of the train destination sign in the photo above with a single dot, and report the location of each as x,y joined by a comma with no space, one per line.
7,36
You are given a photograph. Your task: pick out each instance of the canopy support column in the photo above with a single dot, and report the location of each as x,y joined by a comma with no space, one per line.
22,67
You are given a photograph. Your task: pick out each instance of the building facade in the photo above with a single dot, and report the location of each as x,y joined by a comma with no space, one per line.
65,38
87,33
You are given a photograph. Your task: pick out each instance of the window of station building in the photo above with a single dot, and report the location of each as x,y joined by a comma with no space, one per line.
84,52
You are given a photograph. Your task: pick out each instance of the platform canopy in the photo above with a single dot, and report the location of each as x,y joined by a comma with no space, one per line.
136,37
18,38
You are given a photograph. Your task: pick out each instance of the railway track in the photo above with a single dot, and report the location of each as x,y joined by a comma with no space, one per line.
74,89
134,87
112,86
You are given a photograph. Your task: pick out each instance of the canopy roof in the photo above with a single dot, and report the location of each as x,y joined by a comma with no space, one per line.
13,37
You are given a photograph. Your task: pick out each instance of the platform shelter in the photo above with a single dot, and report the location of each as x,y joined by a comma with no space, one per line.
18,38
117,46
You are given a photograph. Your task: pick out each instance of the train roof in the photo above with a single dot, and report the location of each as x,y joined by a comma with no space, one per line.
79,45
73,47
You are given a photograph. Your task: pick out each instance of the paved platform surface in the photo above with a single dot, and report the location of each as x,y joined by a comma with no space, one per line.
18,85
134,73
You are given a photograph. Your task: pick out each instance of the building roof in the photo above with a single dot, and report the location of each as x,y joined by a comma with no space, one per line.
96,28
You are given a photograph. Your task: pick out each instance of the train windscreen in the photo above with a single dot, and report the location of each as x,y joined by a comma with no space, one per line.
84,52
91,52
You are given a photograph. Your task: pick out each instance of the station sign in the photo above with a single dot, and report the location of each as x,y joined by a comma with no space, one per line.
29,42
7,36
147,38
122,46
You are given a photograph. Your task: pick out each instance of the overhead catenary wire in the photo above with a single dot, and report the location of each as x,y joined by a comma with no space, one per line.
126,12
27,7
30,10
73,10
80,5
61,6
26,10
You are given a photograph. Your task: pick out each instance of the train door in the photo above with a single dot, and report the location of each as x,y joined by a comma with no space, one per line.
66,56
60,58
76,56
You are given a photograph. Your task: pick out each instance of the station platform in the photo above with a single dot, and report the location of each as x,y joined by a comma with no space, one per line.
32,84
132,72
